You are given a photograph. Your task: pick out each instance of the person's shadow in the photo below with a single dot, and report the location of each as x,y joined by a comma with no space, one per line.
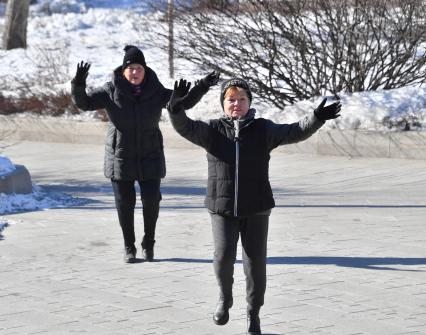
370,263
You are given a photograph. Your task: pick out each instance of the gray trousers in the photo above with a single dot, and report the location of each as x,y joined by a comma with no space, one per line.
254,236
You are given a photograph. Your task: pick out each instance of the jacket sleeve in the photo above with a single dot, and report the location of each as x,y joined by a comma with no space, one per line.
280,134
197,132
193,97
88,102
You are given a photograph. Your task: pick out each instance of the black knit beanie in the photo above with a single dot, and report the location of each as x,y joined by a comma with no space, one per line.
133,55
236,82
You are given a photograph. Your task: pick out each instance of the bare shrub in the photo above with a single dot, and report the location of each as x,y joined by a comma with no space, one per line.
40,104
295,50
405,122
42,92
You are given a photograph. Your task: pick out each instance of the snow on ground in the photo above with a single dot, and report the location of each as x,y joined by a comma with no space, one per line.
97,30
6,166
39,199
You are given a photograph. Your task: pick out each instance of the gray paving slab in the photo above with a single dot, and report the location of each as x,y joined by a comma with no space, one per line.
347,250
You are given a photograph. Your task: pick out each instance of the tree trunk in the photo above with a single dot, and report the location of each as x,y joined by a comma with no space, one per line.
15,29
171,46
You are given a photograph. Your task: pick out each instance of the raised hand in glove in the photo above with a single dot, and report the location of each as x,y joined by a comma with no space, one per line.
180,90
329,112
210,80
81,74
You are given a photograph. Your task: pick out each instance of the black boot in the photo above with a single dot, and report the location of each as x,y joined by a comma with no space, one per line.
130,254
148,249
253,323
221,314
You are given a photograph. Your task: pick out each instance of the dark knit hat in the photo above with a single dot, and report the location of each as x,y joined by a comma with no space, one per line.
133,55
234,82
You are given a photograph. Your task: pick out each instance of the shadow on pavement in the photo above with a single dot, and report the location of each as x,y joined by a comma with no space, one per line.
78,188
372,263
184,260
349,206
183,190
73,186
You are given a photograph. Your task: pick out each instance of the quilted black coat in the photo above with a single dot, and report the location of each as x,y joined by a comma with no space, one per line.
134,143
257,138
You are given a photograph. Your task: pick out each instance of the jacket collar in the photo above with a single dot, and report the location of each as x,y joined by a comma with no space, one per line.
247,120
151,84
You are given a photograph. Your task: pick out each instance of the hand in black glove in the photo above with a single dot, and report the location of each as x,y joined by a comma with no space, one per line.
210,80
180,90
81,74
328,112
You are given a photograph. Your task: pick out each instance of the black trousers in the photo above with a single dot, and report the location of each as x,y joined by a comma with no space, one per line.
125,202
254,236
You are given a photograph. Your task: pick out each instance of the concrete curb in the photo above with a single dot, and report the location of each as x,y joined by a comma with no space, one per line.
351,143
361,143
17,181
51,130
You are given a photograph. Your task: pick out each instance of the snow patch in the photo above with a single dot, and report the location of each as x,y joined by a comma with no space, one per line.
59,6
39,199
6,166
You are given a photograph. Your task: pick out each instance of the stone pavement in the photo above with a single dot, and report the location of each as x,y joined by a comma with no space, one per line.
347,250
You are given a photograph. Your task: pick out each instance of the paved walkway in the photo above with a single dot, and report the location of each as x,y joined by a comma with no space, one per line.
347,251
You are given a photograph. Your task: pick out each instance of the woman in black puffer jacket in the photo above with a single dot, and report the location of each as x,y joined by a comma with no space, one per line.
134,100
239,196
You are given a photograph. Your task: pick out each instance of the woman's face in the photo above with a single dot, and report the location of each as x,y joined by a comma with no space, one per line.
236,102
134,73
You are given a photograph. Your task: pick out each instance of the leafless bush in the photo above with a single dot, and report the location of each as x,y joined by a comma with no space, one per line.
42,92
295,50
52,64
405,122
40,104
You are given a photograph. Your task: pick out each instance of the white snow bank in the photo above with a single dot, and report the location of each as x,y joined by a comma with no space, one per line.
98,31
59,6
6,166
374,110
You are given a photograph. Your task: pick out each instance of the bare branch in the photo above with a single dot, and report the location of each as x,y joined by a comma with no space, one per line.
295,50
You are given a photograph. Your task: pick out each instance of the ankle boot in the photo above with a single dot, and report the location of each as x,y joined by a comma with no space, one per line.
221,314
253,324
130,254
148,249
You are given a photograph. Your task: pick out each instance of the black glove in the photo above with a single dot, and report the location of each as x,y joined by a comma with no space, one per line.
210,80
180,90
328,112
81,74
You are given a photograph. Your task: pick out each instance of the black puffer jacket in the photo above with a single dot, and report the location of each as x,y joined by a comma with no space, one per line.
257,138
134,143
